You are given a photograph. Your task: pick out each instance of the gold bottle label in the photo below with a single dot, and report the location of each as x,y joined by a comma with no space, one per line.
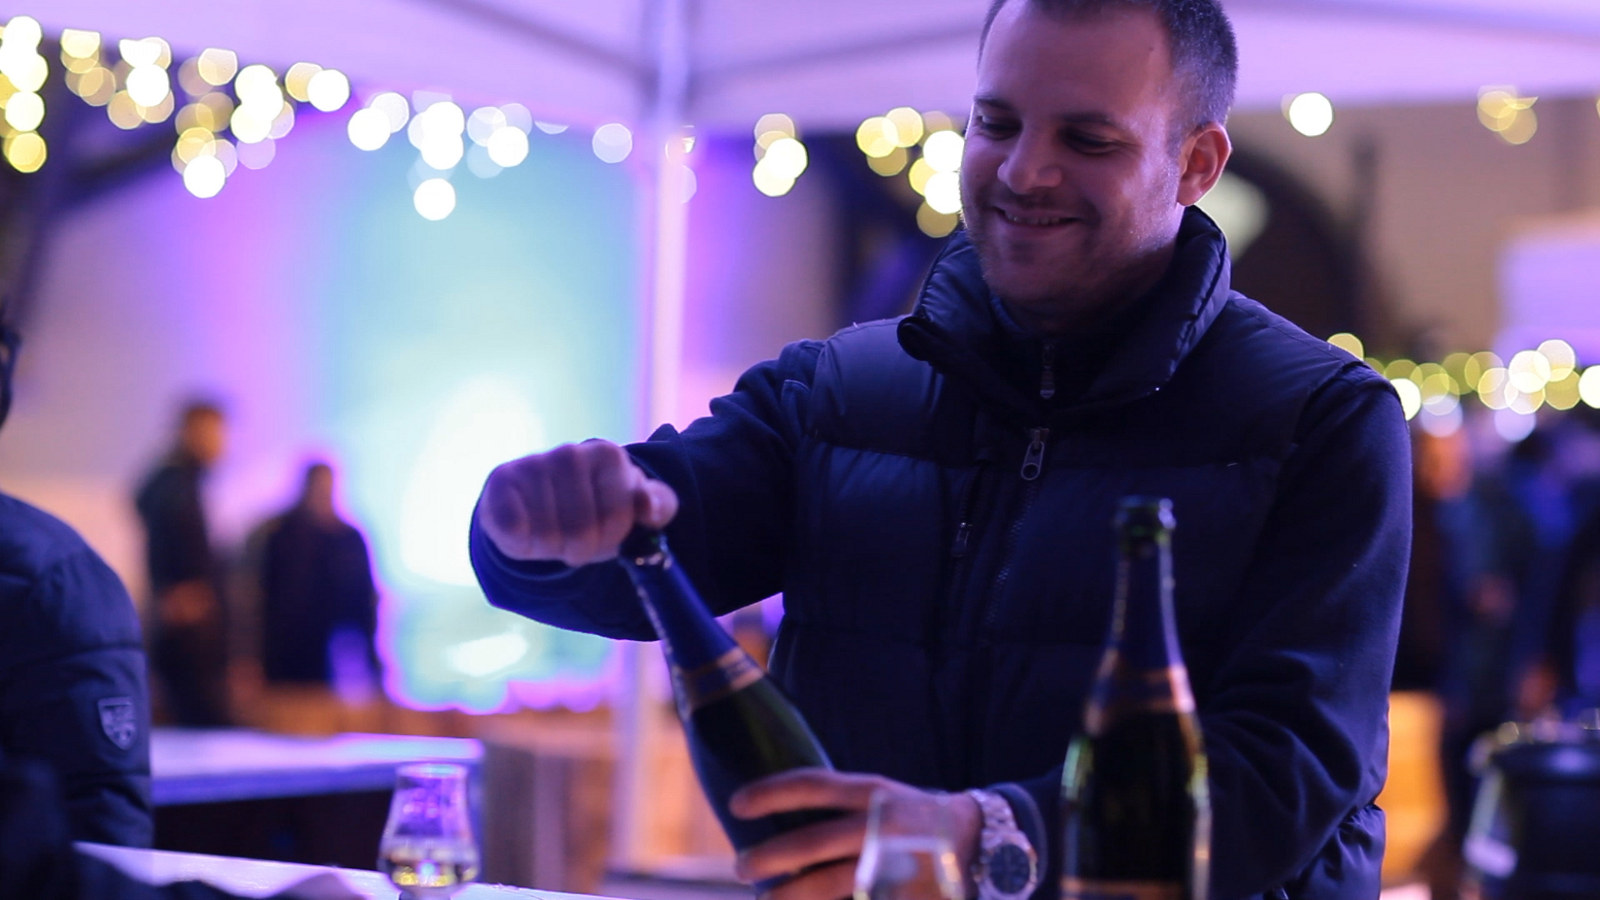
1095,889
728,673
1160,691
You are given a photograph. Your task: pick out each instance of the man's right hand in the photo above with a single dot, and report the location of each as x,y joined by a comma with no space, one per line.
573,504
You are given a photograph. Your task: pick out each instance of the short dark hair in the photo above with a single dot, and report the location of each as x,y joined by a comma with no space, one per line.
1199,37
197,408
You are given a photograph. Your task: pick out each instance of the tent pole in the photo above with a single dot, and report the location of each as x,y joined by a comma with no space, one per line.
638,725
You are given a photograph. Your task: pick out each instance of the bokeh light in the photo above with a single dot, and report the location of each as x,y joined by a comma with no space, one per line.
148,85
79,44
217,67
434,199
1349,343
205,177
943,192
612,142
1563,359
1443,420
1589,386
934,223
26,152
1513,426
297,80
943,150
369,128
1310,113
483,123
395,108
123,112
893,164
507,147
1410,396
877,137
1505,112
328,90
1528,371
908,126
1562,393
24,111
23,33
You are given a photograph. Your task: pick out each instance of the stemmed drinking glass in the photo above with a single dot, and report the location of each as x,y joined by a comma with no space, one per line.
909,852
428,849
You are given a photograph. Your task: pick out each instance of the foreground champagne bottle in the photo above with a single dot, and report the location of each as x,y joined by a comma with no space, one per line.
740,727
1135,803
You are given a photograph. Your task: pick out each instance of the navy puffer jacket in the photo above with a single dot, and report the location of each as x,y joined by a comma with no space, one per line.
72,676
941,535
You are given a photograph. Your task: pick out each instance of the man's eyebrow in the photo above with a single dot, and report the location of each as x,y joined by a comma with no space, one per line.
1087,117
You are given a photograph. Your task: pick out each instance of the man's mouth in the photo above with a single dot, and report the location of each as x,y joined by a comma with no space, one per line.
1035,220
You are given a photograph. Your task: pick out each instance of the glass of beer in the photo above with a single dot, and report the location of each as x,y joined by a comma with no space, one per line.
428,849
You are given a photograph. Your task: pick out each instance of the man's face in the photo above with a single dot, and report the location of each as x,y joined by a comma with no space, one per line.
205,437
1070,180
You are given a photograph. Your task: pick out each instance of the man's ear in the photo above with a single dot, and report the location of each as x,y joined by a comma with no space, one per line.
1205,154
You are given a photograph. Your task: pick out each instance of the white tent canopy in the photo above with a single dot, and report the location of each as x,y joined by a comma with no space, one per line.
831,63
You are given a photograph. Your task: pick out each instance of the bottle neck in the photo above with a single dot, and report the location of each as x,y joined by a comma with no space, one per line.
1142,672
1145,634
690,636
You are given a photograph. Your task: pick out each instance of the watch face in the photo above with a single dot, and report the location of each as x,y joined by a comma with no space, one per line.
1009,869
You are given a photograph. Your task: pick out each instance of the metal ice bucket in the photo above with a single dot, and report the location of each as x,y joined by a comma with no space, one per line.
1535,829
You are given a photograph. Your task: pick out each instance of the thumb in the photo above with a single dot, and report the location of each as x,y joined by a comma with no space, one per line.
654,503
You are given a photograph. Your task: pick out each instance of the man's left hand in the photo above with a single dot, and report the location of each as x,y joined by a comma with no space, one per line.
825,854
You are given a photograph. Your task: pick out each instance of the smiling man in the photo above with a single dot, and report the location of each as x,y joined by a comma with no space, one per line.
933,495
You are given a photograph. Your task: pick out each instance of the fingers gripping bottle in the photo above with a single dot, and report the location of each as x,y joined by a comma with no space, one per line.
739,725
1135,804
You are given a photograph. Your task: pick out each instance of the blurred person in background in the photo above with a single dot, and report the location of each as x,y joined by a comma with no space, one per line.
73,694
187,619
1468,555
317,604
1564,679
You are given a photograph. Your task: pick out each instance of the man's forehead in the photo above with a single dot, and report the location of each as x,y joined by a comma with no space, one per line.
1094,65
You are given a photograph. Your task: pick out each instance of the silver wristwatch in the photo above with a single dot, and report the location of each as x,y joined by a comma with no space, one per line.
1007,867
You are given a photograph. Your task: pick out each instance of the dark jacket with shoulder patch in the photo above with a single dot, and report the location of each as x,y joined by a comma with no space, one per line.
72,676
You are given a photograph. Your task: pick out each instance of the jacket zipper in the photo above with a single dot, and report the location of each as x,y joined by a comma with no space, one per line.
1032,468
1047,371
1033,458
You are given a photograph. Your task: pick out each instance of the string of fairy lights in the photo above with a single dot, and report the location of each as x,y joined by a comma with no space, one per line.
226,115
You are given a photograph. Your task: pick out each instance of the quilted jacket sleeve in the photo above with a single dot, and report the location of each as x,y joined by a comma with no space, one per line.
73,694
733,560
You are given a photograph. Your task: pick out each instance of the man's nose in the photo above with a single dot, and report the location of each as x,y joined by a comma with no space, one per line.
1031,165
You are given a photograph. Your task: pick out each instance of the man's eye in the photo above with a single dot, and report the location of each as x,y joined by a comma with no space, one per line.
1088,143
994,127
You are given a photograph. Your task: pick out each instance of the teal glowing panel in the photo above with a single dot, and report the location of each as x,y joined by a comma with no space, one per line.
448,347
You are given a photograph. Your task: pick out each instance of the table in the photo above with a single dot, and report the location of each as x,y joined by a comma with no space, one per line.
216,765
243,793
262,878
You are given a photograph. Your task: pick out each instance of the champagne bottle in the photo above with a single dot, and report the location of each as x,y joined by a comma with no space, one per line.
740,727
1135,803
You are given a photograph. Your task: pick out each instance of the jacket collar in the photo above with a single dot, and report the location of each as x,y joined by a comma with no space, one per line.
954,328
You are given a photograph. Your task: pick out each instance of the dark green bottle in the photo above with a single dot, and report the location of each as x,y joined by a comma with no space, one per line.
739,725
1134,799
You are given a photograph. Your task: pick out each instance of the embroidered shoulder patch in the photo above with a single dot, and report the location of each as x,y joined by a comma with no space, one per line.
118,722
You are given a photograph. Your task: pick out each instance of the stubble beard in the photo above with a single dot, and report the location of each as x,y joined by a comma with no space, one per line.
1063,294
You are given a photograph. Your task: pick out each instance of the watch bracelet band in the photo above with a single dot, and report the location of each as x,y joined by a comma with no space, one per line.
999,823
